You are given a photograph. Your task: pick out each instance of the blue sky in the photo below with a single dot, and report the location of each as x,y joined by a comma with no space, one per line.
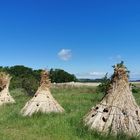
84,37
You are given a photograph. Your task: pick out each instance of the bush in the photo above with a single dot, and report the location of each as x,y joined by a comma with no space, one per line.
61,76
29,79
135,89
105,82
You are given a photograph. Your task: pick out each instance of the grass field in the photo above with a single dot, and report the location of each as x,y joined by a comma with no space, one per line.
67,126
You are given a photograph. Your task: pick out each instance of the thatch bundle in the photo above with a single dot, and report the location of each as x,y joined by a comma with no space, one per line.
42,101
3,80
118,111
5,96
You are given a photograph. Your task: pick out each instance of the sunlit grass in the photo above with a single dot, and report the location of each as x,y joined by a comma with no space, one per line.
66,126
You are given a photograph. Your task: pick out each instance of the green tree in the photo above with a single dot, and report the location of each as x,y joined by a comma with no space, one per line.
61,76
28,79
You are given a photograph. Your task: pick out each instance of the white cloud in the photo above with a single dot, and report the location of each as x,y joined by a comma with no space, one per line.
91,75
134,75
97,73
65,54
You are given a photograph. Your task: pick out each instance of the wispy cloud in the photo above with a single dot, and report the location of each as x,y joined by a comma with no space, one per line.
134,75
116,58
96,75
65,54
91,75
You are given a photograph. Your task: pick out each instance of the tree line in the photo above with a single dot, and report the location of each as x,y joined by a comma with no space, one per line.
29,79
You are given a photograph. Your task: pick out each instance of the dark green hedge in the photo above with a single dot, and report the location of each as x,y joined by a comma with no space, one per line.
28,79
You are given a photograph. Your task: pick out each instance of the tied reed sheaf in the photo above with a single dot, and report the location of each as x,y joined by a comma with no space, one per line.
5,96
43,100
118,111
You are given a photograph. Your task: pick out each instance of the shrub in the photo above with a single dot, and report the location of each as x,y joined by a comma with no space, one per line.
28,79
105,82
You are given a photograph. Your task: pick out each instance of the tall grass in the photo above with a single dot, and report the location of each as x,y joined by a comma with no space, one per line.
67,126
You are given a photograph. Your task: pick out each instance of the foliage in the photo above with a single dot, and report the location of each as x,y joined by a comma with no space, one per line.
105,82
29,79
23,77
61,76
135,88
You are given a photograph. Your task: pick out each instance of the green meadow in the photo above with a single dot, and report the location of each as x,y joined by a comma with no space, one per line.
67,126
